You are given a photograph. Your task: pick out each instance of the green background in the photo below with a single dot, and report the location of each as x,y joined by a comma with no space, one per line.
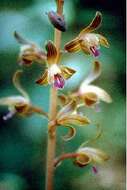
23,140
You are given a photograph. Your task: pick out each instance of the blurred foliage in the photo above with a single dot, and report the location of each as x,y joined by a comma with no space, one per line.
23,140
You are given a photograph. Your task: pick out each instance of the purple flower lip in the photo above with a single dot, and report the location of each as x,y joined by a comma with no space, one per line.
95,51
59,81
94,169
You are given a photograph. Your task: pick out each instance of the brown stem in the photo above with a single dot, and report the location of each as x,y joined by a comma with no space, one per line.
63,157
52,114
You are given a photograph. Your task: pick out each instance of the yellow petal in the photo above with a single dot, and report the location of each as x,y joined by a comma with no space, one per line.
43,80
51,53
63,99
73,46
94,73
16,82
67,72
83,159
73,120
70,134
96,22
84,47
103,41
96,155
67,109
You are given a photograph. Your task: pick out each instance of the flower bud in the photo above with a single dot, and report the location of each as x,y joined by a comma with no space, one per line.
57,21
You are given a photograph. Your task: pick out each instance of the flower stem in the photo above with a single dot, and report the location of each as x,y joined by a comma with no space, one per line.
52,113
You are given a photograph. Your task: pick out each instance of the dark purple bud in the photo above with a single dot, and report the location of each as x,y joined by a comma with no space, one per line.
59,81
95,51
57,21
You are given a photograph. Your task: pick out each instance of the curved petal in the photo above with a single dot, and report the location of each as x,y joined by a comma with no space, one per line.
18,86
67,72
103,41
21,40
70,134
90,99
73,46
95,24
51,53
83,159
67,109
94,74
12,100
102,94
73,120
43,80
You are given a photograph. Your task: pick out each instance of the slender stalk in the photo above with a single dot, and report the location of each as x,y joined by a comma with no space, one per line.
53,112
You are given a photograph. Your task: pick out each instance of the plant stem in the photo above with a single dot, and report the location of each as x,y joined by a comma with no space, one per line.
52,113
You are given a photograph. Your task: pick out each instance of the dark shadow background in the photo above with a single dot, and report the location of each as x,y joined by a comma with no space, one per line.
23,140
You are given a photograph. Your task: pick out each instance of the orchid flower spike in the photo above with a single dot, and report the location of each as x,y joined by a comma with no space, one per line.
91,94
89,155
87,41
55,74
19,104
29,51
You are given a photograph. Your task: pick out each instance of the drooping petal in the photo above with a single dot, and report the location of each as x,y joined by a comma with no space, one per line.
21,39
16,82
95,24
103,41
67,72
67,109
12,100
43,80
70,134
100,93
73,46
94,74
51,53
96,155
73,119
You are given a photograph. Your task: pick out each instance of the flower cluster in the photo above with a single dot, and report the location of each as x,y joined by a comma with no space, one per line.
56,75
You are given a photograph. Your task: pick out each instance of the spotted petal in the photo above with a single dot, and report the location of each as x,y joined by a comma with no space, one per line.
51,53
95,24
67,72
73,46
43,80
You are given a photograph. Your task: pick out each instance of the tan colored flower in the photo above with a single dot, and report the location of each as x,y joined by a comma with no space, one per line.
55,74
29,51
87,41
68,117
19,103
91,94
89,155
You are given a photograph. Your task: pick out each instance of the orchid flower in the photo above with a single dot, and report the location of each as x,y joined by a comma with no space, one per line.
88,41
90,155
19,104
29,51
55,74
68,117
